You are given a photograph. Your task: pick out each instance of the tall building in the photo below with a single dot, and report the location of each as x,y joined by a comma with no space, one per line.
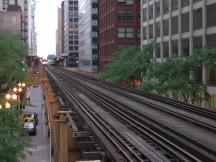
26,26
59,34
33,30
119,26
71,48
11,21
179,27
88,35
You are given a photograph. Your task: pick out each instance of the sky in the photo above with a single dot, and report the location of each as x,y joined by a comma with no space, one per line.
46,25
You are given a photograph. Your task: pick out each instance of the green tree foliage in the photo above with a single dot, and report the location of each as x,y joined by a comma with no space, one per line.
181,75
13,53
129,64
178,75
13,139
51,57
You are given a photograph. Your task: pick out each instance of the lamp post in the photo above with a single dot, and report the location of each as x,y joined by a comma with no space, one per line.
10,97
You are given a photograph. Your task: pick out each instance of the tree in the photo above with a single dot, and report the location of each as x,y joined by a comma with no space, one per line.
181,75
51,57
13,53
13,139
129,64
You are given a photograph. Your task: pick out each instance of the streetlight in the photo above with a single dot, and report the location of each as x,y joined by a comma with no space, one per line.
14,97
7,105
8,96
19,89
15,89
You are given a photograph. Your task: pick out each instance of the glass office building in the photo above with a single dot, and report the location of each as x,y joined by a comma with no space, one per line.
88,35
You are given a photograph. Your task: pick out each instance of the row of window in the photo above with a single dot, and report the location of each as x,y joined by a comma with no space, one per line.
185,23
165,3
157,8
185,45
126,1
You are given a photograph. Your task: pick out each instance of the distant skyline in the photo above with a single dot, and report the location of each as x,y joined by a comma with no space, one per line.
46,25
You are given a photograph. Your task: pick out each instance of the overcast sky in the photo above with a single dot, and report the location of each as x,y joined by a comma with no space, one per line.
46,25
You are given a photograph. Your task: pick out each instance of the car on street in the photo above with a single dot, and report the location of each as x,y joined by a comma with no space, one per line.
30,128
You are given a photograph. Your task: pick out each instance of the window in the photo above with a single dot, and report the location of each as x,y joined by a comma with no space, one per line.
157,50
125,32
129,32
157,9
194,1
175,47
174,5
151,31
151,12
197,42
157,26
144,33
125,15
121,32
197,19
185,47
126,1
175,25
145,14
184,3
165,6
211,40
166,27
166,49
211,14
185,22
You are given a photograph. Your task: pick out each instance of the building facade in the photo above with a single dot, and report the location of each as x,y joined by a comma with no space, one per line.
179,27
11,21
119,26
59,34
71,47
88,35
28,34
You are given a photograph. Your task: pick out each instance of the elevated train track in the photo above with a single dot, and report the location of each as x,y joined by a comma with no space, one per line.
141,129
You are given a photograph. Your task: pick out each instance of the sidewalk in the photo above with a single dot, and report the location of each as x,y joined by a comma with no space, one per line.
41,150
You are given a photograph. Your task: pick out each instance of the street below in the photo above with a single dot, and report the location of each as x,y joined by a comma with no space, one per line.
40,152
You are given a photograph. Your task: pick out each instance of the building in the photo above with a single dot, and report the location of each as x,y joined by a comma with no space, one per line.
119,26
60,35
59,46
11,21
179,27
71,47
33,30
28,33
88,35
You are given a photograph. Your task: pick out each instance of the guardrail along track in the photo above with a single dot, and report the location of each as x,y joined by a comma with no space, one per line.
172,145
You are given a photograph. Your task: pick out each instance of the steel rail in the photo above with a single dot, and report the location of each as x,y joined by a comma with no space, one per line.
96,122
169,101
85,88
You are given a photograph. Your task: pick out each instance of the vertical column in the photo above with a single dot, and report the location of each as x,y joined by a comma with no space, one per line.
204,68
154,27
191,28
161,29
73,151
147,27
55,129
141,24
180,28
63,147
170,28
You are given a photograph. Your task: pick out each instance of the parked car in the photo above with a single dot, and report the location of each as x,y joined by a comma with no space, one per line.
30,128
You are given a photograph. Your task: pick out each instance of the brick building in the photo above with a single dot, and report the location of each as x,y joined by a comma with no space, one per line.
119,26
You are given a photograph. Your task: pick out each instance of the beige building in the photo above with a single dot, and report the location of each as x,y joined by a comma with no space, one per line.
179,27
10,21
